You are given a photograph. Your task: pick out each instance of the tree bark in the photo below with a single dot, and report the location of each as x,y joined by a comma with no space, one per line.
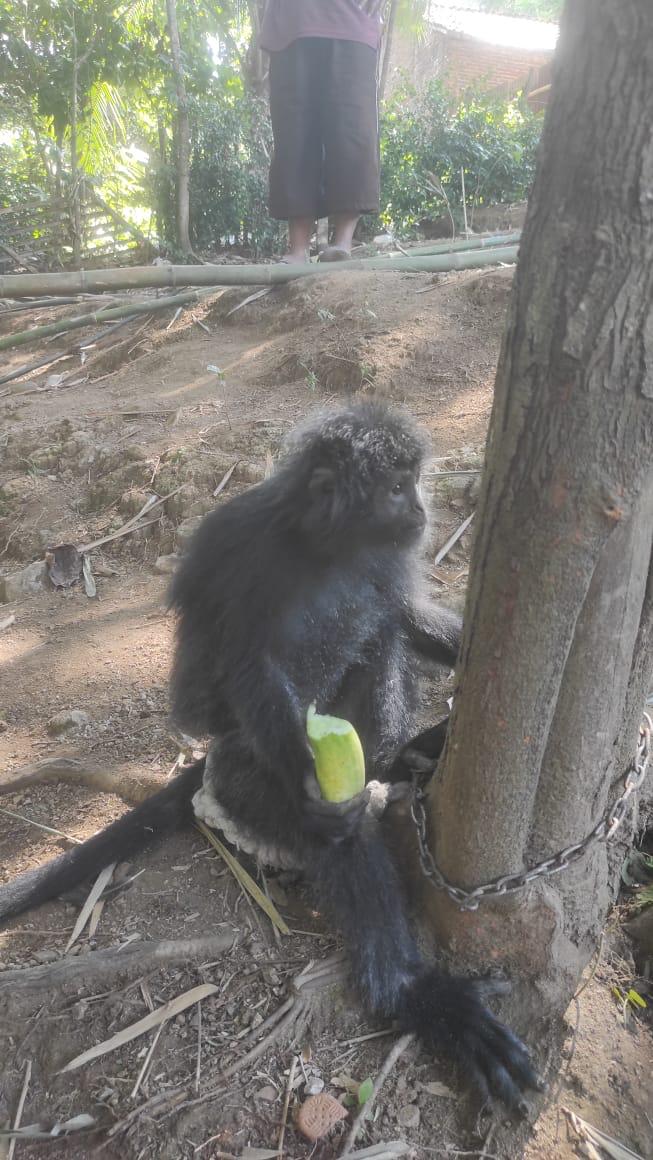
75,179
386,46
256,63
182,134
558,646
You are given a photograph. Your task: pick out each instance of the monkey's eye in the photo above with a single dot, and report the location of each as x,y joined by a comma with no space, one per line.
397,488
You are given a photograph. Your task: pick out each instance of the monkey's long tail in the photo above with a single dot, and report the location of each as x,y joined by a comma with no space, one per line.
357,882
164,813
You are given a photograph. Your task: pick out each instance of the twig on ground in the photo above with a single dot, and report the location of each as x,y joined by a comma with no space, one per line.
444,551
132,524
41,826
392,1057
102,967
147,1061
198,1065
21,1104
286,1105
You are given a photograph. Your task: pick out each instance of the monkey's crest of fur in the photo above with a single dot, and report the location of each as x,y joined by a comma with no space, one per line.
367,439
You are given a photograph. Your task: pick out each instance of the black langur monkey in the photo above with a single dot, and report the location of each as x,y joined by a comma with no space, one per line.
305,588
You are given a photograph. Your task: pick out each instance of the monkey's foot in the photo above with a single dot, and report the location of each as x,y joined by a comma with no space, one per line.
449,1014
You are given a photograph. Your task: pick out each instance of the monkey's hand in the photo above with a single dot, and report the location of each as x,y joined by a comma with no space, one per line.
421,754
332,821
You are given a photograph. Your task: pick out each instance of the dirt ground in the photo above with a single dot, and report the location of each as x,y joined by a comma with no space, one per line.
167,408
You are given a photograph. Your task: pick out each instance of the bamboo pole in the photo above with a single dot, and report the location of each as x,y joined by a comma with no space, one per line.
93,281
477,243
134,308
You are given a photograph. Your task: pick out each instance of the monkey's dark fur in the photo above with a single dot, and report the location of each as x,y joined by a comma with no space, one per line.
305,589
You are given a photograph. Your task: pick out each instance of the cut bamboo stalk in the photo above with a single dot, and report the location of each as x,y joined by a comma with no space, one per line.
491,241
80,281
134,308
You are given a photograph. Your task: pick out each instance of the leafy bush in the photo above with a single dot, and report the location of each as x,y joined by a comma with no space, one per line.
425,142
229,173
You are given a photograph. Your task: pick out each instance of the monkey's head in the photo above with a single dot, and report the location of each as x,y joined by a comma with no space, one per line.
354,476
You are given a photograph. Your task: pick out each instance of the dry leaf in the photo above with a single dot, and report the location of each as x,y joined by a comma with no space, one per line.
225,478
435,1088
87,573
167,1011
245,879
346,1082
595,1136
102,880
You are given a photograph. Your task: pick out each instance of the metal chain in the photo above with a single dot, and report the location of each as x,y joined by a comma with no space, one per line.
604,831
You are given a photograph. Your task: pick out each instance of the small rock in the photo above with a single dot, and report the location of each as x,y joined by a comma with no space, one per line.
26,582
133,500
318,1115
266,1093
164,565
185,532
67,721
45,956
409,1116
314,1087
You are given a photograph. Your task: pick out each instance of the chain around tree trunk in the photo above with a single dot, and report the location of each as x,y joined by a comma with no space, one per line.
604,831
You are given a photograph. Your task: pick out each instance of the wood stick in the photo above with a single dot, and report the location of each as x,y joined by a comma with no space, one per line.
102,315
19,1110
68,975
75,281
392,1057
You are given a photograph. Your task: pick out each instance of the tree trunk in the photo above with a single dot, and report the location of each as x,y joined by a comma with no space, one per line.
182,135
256,63
75,181
558,646
386,46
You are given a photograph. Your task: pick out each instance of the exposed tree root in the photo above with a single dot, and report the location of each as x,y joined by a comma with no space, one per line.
132,788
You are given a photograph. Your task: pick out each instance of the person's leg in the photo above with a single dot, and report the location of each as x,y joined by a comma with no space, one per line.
296,168
350,132
300,231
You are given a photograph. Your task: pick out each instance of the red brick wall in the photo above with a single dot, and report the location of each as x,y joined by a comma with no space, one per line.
463,62
468,63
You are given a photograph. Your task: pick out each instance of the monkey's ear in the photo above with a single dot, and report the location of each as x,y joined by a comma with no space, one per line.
322,483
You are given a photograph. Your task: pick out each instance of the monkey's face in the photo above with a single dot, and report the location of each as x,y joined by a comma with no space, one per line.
397,512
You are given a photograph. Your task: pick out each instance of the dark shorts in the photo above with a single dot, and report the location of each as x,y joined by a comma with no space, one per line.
324,119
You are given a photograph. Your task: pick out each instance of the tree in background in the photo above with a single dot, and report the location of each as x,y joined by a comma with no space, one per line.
160,107
533,9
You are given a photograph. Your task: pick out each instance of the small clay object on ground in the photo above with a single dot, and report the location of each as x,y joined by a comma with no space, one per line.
318,1115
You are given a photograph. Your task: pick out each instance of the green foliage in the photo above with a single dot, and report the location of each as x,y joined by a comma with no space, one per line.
108,62
232,146
365,1091
533,9
20,169
425,143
